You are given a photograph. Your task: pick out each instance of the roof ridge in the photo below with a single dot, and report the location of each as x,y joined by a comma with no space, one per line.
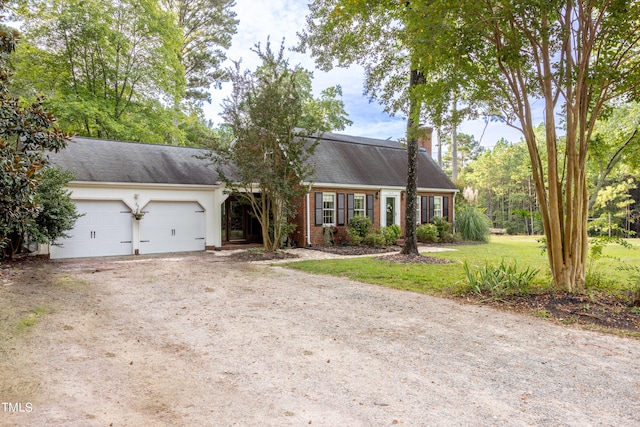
90,138
361,140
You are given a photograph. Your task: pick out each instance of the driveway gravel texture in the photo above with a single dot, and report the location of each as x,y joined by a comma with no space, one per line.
201,340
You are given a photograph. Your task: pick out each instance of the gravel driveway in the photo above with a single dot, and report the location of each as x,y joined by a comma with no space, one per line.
198,340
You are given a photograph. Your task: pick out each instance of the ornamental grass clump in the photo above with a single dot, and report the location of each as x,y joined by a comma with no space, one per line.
473,224
499,281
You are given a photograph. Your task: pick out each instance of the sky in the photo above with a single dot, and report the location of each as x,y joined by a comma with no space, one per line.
282,19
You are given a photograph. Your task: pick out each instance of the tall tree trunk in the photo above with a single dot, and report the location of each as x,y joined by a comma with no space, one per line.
454,142
439,147
410,246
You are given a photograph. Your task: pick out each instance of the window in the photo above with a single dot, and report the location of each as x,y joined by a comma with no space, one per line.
418,211
359,206
437,206
328,209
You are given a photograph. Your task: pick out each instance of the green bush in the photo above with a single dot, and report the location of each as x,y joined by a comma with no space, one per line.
358,228
375,239
444,229
473,224
391,234
498,281
57,212
383,236
427,233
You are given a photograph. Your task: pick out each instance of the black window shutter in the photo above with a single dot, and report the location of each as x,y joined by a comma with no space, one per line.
431,207
423,210
370,206
318,209
350,201
340,208
445,207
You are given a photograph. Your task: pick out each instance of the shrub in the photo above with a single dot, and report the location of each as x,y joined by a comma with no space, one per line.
634,280
427,233
375,239
57,213
391,234
473,224
358,228
498,281
444,229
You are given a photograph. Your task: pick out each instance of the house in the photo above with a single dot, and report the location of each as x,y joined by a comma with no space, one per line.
364,176
143,198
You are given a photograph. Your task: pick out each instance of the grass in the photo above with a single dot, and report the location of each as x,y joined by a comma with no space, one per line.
69,282
432,279
450,279
30,320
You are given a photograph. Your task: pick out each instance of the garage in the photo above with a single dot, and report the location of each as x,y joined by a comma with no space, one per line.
172,227
104,229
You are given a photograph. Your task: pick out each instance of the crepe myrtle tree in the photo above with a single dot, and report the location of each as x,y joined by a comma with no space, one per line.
269,157
576,59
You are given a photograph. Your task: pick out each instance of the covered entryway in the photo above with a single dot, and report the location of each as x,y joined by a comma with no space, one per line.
390,208
172,227
103,230
239,225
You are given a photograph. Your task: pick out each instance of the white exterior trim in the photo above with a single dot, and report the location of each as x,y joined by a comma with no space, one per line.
308,208
394,194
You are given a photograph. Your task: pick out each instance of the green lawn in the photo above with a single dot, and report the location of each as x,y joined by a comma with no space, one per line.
447,279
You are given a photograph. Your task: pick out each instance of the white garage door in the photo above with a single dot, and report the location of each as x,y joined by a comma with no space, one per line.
103,230
172,227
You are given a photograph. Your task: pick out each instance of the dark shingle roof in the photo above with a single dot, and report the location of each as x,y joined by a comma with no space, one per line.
339,159
99,160
342,159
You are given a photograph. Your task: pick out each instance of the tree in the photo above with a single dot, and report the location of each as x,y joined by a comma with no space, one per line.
269,157
612,205
26,134
467,150
374,35
57,213
502,177
576,57
616,141
207,28
108,68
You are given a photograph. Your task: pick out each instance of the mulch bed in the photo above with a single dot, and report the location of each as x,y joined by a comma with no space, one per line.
595,309
248,255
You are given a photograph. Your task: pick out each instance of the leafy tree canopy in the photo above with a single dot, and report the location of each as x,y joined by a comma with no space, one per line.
108,68
207,27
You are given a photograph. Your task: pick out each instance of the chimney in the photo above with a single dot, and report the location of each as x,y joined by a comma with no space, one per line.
425,136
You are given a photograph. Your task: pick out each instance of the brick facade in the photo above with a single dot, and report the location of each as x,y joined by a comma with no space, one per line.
315,236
